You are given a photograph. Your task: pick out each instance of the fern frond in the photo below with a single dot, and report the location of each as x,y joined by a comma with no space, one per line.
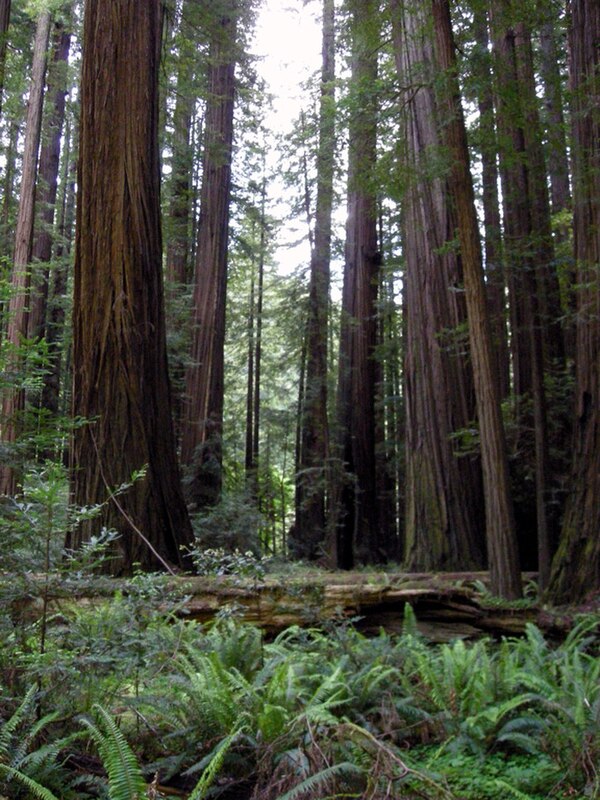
9,727
309,786
213,768
34,787
125,779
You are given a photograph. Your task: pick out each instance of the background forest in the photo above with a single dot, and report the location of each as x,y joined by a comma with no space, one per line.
437,409
368,339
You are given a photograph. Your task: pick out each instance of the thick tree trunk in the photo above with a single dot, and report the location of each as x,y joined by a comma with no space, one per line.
309,531
120,378
501,537
13,397
359,535
201,447
445,516
576,566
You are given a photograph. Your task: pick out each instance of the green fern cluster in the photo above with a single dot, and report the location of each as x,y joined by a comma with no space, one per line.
312,714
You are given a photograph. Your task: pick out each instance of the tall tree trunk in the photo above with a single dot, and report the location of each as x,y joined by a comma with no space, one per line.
201,447
505,576
120,377
4,22
533,285
494,266
558,161
258,342
48,181
178,249
576,566
55,323
13,399
359,535
557,157
309,530
445,517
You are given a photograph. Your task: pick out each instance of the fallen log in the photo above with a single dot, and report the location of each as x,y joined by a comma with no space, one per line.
446,605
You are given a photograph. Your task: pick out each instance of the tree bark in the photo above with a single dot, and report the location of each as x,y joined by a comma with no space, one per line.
4,22
120,378
445,516
505,576
310,527
201,447
358,533
576,566
13,401
533,286
48,182
494,265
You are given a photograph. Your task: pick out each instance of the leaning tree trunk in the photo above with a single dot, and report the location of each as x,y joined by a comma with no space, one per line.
120,378
309,531
14,397
445,517
201,446
576,566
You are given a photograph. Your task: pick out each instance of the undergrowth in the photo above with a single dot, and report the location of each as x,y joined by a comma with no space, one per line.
127,700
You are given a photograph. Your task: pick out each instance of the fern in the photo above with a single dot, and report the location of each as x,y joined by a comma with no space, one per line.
310,786
125,779
213,768
34,787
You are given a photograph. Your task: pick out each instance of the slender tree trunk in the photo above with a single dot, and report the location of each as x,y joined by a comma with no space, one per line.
4,22
120,377
558,161
55,323
309,531
535,298
557,158
445,515
258,336
48,182
6,230
13,399
201,448
576,566
494,266
178,249
249,465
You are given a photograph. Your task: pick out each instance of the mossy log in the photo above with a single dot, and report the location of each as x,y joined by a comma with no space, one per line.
446,605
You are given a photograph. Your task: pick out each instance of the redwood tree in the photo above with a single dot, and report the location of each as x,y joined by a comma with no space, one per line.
576,566
505,579
13,400
120,379
201,449
309,530
359,534
444,499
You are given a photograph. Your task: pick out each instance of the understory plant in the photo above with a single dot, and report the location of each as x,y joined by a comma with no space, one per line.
223,711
